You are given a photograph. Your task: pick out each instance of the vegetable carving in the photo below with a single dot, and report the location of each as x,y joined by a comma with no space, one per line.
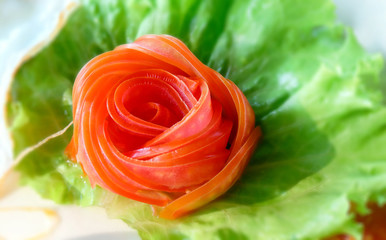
154,124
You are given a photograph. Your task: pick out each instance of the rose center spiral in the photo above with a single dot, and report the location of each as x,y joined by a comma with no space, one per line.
151,100
147,103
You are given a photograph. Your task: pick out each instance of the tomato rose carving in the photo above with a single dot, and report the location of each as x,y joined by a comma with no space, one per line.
154,124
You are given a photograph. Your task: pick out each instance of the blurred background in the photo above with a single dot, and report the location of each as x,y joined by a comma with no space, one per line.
368,19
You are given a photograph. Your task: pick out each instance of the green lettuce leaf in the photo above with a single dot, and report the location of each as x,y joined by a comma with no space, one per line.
315,91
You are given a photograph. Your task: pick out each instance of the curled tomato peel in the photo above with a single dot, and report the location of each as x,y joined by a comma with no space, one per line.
154,124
